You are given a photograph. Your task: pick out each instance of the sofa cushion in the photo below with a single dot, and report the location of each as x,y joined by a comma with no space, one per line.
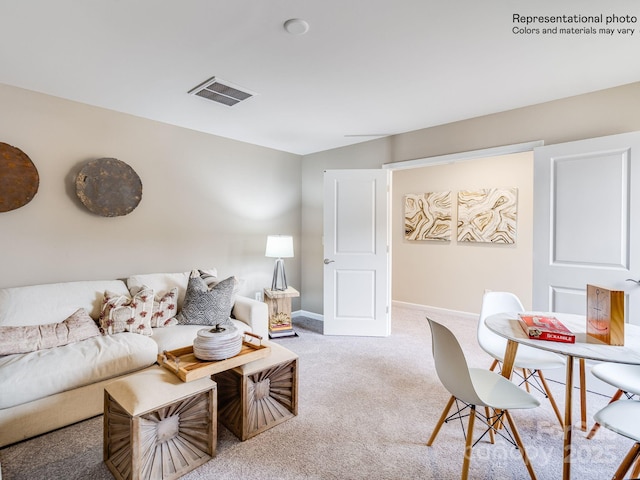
122,313
132,394
164,282
79,326
204,306
46,372
53,302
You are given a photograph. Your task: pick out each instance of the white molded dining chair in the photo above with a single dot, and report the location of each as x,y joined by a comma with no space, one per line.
623,417
528,359
626,378
476,387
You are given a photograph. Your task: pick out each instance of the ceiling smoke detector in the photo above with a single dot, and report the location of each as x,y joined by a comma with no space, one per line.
296,26
221,91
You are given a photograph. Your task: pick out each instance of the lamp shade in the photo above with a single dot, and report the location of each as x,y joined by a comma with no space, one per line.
279,246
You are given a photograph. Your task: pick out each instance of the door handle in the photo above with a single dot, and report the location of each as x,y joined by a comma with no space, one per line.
327,261
637,282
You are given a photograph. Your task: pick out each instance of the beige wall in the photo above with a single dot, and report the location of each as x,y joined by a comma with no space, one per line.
207,201
592,115
212,201
605,112
454,275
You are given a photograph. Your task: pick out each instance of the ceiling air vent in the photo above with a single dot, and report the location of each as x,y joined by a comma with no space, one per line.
221,91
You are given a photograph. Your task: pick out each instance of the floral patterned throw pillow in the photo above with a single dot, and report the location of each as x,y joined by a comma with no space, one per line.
165,306
121,313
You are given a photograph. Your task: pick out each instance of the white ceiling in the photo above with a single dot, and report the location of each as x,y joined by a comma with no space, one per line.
365,67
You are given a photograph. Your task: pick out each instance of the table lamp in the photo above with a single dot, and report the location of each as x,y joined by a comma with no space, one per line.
279,247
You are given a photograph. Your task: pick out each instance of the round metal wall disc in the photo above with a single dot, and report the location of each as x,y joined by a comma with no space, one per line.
19,178
109,187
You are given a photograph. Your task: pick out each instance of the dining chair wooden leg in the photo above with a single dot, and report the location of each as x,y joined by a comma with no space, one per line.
523,452
552,400
627,461
583,396
525,375
596,425
635,473
493,365
468,444
490,422
443,417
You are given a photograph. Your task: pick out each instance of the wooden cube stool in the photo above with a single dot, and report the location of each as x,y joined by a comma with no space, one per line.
158,427
259,395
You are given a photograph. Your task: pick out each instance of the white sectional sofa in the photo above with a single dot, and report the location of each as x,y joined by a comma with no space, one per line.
49,388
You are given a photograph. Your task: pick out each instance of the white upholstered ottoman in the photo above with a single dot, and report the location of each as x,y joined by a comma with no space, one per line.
157,426
259,395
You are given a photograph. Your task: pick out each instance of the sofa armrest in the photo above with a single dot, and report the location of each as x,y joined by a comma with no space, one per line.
253,313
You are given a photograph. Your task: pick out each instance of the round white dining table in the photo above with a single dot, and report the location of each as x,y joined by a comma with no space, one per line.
508,326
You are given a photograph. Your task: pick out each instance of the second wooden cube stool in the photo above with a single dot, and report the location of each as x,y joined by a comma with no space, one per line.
157,426
259,395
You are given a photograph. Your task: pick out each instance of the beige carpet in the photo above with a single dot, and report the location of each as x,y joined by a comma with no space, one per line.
367,407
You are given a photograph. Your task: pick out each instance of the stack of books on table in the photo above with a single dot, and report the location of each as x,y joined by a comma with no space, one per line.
282,332
545,327
281,326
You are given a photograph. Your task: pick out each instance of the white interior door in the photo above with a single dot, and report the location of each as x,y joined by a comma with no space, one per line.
586,228
356,253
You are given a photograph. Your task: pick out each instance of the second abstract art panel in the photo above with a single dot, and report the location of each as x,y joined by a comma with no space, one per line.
487,215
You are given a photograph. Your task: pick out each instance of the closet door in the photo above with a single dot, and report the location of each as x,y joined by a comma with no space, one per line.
587,222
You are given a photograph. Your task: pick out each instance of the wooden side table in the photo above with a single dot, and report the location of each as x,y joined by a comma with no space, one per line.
158,427
279,304
259,395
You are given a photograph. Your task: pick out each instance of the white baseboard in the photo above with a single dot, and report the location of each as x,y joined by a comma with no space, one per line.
414,306
304,313
427,308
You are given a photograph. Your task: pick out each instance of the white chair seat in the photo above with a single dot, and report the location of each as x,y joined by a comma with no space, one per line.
623,377
497,392
626,378
622,417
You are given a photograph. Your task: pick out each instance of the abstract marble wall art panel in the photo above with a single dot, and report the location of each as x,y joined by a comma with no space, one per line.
487,215
427,216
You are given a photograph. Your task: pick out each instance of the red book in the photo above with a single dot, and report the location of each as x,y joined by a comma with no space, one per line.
544,327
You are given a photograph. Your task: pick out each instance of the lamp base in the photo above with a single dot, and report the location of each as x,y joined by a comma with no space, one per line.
279,281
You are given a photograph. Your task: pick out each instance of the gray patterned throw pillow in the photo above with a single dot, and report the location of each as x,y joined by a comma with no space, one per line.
204,306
